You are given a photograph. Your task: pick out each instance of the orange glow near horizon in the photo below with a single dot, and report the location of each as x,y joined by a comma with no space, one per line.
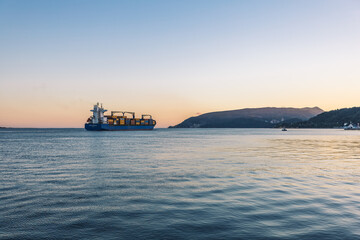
48,115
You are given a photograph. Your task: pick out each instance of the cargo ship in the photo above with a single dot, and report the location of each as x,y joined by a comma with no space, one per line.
113,122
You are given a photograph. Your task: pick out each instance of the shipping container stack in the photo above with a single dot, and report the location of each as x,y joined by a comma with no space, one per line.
123,120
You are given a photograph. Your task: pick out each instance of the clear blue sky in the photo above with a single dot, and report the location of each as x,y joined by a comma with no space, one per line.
174,59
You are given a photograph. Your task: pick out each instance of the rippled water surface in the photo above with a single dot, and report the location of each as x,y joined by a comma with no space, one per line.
179,184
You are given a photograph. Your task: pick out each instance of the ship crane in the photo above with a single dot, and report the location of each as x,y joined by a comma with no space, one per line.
123,113
146,115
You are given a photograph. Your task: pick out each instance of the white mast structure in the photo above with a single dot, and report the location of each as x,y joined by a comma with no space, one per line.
98,114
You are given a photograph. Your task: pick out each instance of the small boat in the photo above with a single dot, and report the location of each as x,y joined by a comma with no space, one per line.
283,129
351,127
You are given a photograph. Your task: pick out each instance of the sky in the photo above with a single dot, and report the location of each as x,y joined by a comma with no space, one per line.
174,59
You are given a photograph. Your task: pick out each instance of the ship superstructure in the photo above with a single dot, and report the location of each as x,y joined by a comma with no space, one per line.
101,122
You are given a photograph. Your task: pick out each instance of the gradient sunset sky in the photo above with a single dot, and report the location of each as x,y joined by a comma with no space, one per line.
174,59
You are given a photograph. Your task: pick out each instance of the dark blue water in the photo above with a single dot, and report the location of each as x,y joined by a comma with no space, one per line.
179,184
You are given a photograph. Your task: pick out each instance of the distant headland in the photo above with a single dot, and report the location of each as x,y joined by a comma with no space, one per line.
267,117
331,119
271,117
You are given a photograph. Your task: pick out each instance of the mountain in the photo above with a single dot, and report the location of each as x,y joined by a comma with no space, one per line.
249,118
331,119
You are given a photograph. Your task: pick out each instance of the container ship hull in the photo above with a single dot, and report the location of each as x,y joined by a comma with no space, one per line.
108,127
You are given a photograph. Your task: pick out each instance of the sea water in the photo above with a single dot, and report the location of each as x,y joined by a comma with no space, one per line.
180,184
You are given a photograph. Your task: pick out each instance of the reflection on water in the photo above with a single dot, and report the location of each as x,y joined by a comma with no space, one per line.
180,184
